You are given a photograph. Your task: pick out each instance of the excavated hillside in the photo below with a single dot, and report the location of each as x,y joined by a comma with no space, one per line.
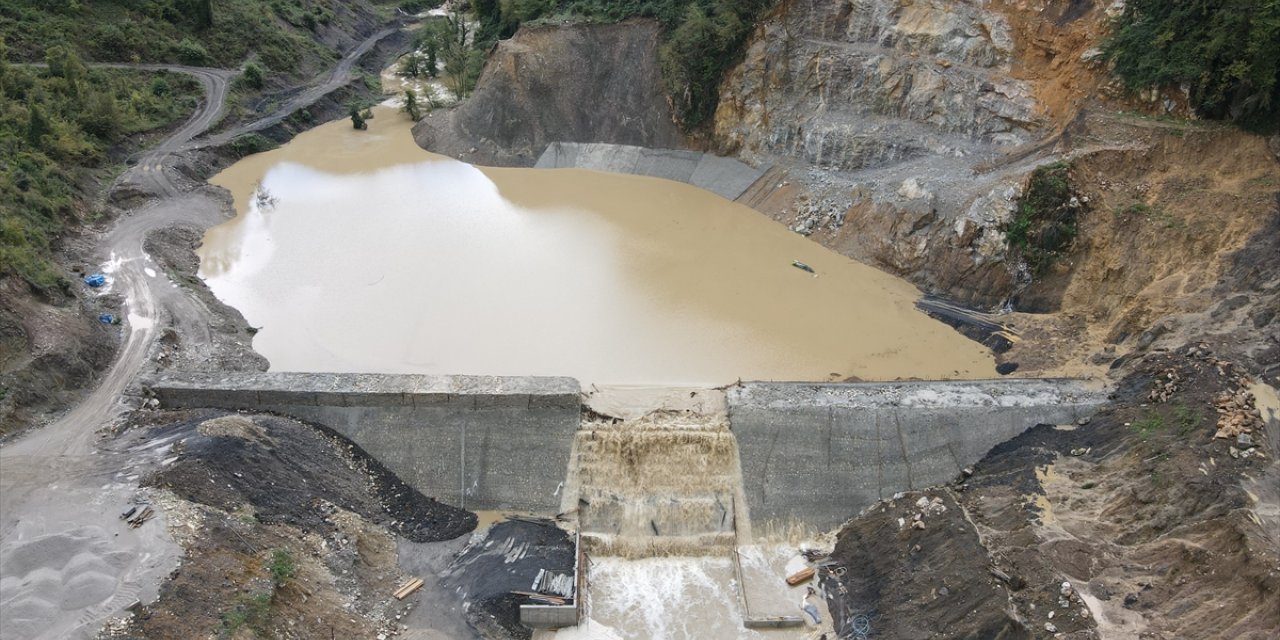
910,131
578,83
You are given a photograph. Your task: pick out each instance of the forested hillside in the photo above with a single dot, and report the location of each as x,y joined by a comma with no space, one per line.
194,32
57,127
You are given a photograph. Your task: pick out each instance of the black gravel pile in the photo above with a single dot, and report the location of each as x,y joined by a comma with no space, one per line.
293,473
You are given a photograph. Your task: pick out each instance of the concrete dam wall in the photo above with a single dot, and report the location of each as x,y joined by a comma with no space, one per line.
477,442
820,453
810,453
725,177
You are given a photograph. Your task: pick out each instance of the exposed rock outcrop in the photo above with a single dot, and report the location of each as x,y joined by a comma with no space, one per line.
883,108
579,83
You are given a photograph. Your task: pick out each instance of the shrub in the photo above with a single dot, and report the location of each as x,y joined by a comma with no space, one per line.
252,611
191,52
283,568
1045,218
251,143
254,77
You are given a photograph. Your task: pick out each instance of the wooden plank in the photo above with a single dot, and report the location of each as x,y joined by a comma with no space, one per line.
803,575
408,588
542,596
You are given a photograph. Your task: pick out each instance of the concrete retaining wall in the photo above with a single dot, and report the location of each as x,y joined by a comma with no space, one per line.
724,176
475,441
820,453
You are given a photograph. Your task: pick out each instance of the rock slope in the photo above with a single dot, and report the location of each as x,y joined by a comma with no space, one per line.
578,83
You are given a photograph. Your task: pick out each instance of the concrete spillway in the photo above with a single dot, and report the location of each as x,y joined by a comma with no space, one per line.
813,454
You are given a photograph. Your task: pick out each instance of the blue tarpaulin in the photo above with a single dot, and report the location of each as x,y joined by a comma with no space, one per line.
107,318
96,280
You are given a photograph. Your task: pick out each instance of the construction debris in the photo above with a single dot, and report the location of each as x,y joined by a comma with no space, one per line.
803,575
141,517
408,588
542,597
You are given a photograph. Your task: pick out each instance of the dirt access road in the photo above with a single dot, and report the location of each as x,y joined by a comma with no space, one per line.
66,560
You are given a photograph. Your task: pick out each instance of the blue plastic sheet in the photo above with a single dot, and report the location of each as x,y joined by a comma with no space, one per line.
96,280
107,318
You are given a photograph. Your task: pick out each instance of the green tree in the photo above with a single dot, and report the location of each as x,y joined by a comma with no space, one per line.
66,64
412,65
411,106
38,126
201,12
432,62
462,62
1225,52
357,119
4,63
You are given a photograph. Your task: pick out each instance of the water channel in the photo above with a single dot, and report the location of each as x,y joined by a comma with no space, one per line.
357,251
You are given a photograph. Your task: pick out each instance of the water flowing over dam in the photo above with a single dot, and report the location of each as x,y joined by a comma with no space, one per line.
667,484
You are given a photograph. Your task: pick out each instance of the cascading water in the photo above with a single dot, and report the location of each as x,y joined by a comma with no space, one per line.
665,484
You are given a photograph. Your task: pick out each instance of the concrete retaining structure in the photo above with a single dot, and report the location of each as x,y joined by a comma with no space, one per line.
819,453
477,442
726,177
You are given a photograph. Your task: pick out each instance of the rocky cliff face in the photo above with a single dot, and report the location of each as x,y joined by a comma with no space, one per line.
579,83
853,85
885,110
909,130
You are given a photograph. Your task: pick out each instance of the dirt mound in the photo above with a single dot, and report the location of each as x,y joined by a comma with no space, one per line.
290,473
240,578
579,83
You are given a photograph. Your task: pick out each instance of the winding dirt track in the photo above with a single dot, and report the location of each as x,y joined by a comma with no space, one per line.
67,562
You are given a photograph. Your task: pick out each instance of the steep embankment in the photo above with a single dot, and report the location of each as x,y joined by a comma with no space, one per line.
579,83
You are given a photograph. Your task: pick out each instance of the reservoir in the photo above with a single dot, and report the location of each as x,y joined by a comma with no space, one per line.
358,251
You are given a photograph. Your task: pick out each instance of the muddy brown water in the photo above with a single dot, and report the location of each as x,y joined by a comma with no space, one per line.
357,251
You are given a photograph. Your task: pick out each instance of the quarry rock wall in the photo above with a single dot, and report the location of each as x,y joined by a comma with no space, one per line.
576,83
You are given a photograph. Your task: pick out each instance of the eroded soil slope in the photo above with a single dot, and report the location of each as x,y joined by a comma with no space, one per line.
1139,523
